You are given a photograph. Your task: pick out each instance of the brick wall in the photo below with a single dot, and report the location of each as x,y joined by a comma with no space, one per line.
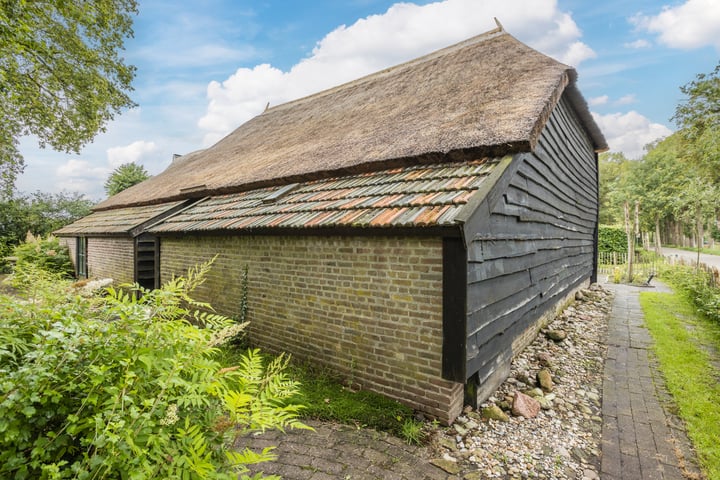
111,257
71,244
369,307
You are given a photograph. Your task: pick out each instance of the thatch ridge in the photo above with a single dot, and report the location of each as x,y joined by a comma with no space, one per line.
490,95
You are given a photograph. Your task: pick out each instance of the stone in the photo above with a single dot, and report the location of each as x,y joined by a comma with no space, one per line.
579,296
544,378
448,465
447,443
556,335
462,431
534,393
544,359
493,412
474,476
525,406
545,404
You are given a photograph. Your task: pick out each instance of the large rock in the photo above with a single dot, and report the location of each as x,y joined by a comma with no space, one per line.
545,380
525,406
556,335
493,412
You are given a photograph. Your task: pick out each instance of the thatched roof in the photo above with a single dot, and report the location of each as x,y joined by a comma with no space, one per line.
487,96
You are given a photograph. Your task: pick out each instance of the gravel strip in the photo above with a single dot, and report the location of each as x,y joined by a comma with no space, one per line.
563,440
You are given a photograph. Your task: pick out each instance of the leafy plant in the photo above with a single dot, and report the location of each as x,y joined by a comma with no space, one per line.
698,286
46,254
412,432
130,386
612,239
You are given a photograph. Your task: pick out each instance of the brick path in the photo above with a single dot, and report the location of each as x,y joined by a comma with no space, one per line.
335,451
640,439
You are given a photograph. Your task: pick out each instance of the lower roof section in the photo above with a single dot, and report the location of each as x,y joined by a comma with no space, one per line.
419,196
121,221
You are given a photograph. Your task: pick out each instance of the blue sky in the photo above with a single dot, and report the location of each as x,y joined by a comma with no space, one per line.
207,66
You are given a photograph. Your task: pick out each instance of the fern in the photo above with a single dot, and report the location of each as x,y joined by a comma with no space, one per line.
129,385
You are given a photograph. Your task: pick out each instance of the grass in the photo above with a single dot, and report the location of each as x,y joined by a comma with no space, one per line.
683,344
326,397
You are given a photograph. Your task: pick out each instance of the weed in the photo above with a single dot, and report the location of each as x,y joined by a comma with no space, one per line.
412,432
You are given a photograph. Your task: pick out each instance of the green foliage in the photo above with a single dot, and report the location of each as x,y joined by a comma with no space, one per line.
124,177
613,169
46,254
130,386
413,432
61,73
40,213
612,239
326,398
698,285
683,345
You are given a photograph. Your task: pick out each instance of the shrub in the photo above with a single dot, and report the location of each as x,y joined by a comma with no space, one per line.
130,386
698,286
612,239
46,254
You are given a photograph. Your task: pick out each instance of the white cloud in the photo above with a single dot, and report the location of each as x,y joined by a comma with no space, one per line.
629,132
131,153
80,175
404,32
693,24
641,43
601,100
626,99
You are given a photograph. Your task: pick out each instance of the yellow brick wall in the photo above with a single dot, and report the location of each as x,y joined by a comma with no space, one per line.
111,258
369,307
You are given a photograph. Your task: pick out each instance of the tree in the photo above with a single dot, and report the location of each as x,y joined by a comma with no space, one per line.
613,172
61,74
39,213
125,176
699,118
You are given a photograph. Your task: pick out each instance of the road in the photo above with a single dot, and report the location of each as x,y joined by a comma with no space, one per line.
712,260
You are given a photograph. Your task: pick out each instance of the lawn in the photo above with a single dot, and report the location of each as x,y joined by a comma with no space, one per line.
687,347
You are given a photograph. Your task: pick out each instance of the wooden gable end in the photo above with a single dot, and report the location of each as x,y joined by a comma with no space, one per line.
530,243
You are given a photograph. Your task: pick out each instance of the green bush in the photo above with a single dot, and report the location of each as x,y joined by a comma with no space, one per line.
129,386
698,286
46,254
612,239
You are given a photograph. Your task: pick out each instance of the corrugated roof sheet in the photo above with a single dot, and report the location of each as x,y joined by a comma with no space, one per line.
118,221
423,195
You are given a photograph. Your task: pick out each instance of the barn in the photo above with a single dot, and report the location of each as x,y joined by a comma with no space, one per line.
412,229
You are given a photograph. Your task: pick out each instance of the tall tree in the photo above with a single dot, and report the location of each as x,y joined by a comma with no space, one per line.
699,119
614,169
125,176
61,74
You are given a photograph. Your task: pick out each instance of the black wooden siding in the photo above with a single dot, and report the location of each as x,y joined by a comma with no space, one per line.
531,241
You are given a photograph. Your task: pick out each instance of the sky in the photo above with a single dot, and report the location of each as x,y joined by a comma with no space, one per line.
205,67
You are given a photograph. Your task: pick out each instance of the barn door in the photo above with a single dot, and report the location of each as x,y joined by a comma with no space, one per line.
147,261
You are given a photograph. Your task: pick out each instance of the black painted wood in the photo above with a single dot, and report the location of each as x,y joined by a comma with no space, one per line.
454,314
531,242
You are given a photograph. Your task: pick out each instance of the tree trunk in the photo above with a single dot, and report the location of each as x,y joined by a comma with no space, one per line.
629,231
658,242
699,234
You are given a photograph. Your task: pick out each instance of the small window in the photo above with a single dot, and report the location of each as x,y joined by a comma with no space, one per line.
81,257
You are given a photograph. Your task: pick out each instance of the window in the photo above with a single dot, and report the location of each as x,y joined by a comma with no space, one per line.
81,257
